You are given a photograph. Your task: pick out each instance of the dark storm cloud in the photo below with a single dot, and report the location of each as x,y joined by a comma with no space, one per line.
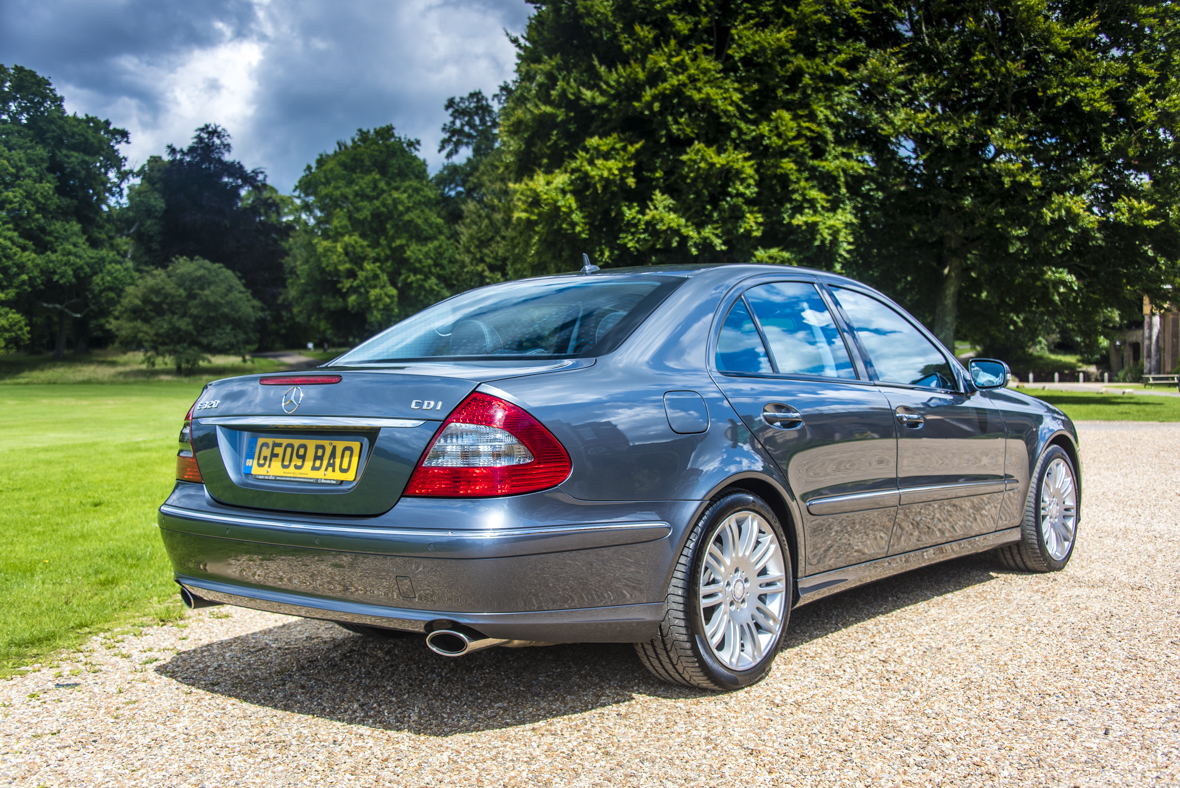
102,46
331,73
286,78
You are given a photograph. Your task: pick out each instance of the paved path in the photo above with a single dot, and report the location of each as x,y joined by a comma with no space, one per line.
1100,388
293,361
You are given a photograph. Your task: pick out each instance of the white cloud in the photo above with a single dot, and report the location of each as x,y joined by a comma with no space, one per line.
286,79
215,84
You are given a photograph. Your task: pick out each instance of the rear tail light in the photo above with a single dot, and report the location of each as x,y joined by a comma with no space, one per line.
489,447
186,460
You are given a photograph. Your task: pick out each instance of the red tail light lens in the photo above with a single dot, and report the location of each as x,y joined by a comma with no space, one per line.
187,469
489,447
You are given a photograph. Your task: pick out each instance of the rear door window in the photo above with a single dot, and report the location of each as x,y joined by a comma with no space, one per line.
740,348
800,331
898,351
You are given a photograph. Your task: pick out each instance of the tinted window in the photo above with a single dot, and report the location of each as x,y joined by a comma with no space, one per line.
898,351
739,348
533,318
802,335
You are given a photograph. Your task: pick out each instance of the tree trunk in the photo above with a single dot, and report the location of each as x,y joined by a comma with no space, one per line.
59,347
81,336
946,308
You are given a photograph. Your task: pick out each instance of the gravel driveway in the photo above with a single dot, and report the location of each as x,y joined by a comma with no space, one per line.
959,674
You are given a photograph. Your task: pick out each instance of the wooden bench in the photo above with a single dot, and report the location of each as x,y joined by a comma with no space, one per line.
1151,380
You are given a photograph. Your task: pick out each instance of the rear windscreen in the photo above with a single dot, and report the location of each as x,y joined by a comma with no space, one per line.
559,318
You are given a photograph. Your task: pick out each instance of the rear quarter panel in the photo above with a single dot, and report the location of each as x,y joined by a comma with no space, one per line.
612,421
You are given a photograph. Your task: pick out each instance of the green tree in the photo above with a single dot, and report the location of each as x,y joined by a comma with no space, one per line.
648,131
476,192
187,311
198,202
374,246
1025,163
59,177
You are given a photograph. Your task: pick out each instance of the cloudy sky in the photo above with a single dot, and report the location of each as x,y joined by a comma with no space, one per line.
287,78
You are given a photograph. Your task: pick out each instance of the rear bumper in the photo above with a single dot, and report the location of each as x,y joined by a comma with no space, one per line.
561,581
618,624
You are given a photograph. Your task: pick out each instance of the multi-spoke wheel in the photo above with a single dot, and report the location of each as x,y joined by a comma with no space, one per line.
729,600
1050,526
1059,509
742,590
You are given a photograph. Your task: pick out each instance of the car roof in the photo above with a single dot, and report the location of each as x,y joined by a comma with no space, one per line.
694,270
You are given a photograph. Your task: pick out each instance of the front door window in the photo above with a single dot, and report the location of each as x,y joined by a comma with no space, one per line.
899,351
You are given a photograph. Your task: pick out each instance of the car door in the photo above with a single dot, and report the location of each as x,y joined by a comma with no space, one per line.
790,375
950,447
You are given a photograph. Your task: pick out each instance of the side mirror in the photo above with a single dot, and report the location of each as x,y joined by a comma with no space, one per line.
988,373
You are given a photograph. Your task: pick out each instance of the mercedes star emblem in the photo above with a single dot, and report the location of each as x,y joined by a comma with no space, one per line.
291,399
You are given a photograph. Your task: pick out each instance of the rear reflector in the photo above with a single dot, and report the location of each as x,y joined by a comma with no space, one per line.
489,447
187,469
300,380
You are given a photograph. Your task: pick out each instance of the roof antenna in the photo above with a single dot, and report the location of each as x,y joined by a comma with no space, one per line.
588,268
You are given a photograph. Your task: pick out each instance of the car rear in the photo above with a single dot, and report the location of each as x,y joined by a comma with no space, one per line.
413,493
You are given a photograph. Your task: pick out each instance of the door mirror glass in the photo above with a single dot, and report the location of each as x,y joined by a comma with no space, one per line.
988,373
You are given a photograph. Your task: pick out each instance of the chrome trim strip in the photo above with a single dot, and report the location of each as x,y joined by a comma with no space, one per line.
435,543
938,492
859,502
427,534
856,502
311,422
821,585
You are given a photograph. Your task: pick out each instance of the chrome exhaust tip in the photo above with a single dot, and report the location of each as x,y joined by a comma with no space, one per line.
193,602
457,642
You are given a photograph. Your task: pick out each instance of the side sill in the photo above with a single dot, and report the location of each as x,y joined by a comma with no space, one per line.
827,583
618,624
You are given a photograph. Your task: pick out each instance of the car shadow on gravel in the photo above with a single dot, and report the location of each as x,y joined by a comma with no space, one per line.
316,668
849,608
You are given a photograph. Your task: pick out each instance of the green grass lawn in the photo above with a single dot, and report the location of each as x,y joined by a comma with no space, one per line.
82,470
112,366
1112,407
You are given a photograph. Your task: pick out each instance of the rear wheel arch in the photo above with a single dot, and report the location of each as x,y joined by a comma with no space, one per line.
776,498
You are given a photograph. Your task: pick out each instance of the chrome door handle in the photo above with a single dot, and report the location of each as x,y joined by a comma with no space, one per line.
908,418
781,417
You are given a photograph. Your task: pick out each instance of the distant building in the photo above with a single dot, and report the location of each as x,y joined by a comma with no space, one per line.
1156,346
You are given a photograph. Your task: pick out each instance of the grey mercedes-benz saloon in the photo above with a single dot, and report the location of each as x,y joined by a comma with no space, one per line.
670,457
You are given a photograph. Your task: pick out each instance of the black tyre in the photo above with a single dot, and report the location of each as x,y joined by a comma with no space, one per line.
373,632
729,601
1048,531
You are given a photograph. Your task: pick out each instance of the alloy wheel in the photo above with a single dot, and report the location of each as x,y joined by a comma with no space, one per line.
1059,509
742,590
